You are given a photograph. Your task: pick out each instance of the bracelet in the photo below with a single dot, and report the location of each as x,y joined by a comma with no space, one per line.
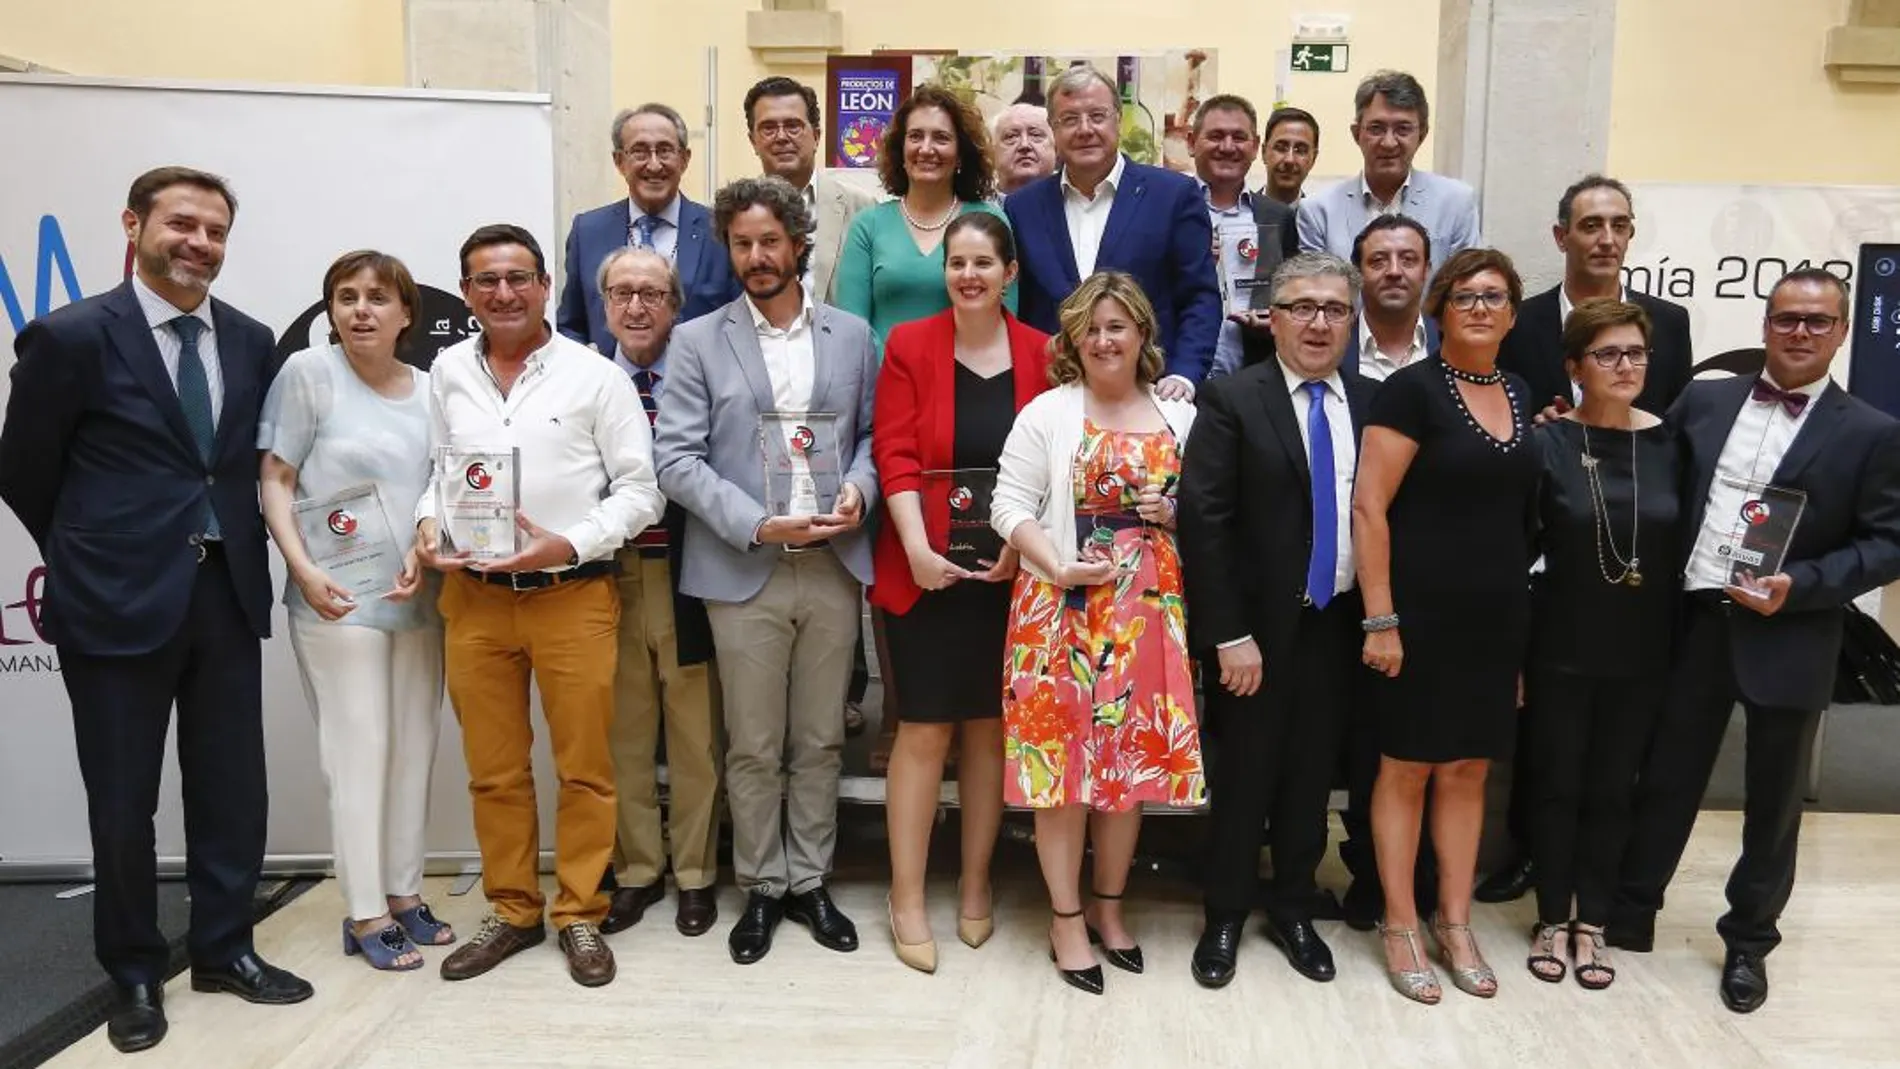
1374,624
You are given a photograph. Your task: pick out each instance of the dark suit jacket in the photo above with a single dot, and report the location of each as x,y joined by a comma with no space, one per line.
1157,231
1279,241
1246,521
98,464
704,268
692,631
1847,459
1534,350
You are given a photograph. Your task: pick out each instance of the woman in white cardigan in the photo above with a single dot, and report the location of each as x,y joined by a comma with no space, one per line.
1098,703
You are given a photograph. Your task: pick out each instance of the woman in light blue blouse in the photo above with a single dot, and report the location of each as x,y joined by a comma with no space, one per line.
936,161
338,417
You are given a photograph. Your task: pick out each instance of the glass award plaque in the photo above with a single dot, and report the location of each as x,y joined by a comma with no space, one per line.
348,535
802,472
478,494
1758,540
1239,254
973,544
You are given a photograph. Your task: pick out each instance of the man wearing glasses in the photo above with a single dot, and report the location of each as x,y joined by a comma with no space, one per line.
585,485
781,119
650,153
1391,118
1771,641
1595,222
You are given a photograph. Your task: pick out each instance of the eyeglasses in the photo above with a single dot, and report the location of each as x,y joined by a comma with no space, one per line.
1608,356
1466,300
1377,131
774,128
1306,311
622,296
489,281
1789,322
643,153
1071,120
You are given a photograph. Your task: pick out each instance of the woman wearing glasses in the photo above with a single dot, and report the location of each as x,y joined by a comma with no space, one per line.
936,163
1610,530
1441,511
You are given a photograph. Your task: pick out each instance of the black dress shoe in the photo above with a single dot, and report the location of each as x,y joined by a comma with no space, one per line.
138,1018
751,938
1127,959
1744,981
630,904
698,909
829,926
1304,949
1633,933
1217,952
253,979
1509,883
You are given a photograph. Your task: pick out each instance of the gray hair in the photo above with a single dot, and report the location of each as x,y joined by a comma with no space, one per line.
1400,91
1316,265
626,254
1077,78
1015,110
775,194
627,114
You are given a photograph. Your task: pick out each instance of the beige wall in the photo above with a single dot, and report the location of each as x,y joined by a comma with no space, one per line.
320,42
1742,97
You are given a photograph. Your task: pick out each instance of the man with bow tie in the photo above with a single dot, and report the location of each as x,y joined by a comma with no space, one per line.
1770,641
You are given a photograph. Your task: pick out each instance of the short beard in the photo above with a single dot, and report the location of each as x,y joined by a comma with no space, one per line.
160,265
784,280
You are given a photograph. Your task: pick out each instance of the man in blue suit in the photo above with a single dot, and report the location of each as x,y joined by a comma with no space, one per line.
1101,211
129,453
650,152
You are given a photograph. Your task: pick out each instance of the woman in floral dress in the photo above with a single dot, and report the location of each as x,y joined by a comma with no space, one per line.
1098,701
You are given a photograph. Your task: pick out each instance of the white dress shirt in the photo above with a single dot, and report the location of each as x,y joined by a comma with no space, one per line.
1375,364
1564,308
1088,217
1395,206
159,313
586,448
666,230
1761,436
789,358
1345,461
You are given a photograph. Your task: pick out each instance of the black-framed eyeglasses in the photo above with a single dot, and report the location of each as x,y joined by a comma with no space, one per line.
1466,300
1306,311
622,296
1789,322
489,281
1609,356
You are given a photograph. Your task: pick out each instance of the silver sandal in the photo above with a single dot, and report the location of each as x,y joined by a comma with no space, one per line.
1471,980
1420,984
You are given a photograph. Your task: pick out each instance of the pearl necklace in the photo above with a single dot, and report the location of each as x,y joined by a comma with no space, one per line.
1600,516
904,210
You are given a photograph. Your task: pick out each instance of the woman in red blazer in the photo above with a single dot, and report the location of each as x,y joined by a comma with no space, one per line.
949,391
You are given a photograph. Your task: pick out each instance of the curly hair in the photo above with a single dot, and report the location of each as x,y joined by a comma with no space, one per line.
777,195
973,181
1076,316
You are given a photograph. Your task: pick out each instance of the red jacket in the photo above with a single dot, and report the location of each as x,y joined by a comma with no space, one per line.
913,426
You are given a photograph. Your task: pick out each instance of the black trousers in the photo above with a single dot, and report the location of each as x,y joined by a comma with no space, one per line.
1580,781
121,711
1702,697
1271,760
1520,814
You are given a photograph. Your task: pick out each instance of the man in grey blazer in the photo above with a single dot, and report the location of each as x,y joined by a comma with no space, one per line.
1391,118
781,119
781,591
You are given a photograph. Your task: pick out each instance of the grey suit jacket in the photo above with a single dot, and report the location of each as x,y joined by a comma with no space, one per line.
839,202
1446,207
707,451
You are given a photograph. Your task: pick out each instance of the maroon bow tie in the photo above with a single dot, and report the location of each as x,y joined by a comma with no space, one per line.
1768,393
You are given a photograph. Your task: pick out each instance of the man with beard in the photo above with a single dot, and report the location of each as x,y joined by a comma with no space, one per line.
1252,232
1288,151
781,119
781,585
1025,147
129,454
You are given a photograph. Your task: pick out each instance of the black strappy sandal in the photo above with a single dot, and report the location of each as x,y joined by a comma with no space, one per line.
1544,953
1595,974
1126,959
1089,979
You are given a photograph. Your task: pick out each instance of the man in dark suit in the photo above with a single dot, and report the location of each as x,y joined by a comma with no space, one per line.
129,454
1266,548
1253,233
1772,642
650,152
1101,211
1595,222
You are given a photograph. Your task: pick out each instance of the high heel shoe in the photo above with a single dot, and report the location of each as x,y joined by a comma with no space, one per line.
1472,980
1420,984
382,948
1089,979
974,931
920,956
1127,959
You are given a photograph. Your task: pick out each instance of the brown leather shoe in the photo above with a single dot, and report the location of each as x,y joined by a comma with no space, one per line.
589,961
698,910
495,942
630,904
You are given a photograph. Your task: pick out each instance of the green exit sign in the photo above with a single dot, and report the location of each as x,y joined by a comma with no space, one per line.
1319,59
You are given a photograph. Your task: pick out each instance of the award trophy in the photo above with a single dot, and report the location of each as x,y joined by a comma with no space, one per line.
1238,253
973,545
348,535
478,493
1758,541
802,473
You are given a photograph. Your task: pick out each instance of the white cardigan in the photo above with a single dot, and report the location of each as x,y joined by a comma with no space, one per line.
1035,478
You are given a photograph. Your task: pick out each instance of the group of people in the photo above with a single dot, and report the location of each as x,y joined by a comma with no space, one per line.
1392,518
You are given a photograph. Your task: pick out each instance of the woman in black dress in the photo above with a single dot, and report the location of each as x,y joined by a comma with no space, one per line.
1441,522
1610,533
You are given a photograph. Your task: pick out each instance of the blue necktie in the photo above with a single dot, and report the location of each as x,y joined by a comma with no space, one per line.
644,381
194,396
643,228
1325,559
